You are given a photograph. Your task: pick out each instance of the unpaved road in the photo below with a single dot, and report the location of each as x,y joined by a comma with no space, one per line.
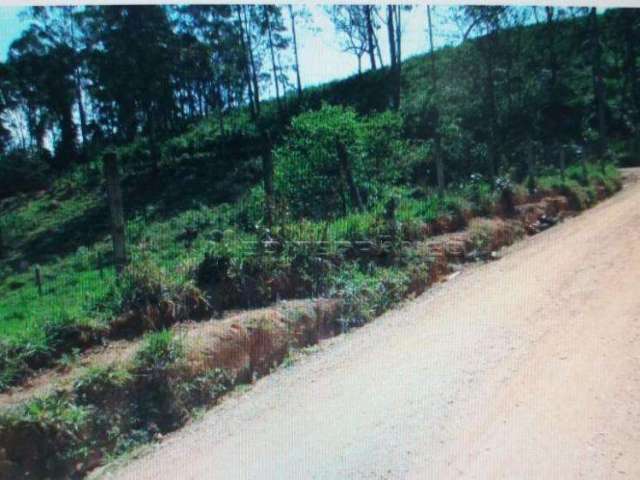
527,367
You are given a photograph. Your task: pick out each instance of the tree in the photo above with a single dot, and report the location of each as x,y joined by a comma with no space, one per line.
434,86
487,23
62,26
394,33
598,82
395,60
5,105
271,27
228,77
292,15
369,22
357,25
247,41
349,23
136,40
43,79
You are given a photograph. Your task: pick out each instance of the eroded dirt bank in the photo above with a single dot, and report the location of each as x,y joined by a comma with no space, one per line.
528,367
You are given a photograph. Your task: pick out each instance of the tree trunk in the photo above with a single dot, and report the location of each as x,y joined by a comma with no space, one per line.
377,45
433,58
295,49
551,40
273,59
372,53
247,69
398,35
630,66
391,33
439,167
254,73
114,195
598,83
563,162
220,108
345,166
81,112
434,82
487,44
395,64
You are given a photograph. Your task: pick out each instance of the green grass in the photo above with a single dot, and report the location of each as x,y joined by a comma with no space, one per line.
78,283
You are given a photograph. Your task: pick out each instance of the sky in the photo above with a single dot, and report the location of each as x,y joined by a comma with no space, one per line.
10,28
321,58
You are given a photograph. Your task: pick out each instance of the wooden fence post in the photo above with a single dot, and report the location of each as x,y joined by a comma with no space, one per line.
267,173
38,279
530,162
585,170
531,174
439,168
114,194
563,164
343,158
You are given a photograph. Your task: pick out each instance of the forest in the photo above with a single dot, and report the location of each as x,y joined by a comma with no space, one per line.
241,188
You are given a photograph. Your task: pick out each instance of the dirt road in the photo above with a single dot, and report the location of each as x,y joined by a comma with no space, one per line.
527,367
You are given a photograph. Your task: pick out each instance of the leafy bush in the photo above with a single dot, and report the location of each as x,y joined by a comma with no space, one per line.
152,297
384,149
310,177
308,173
479,193
367,291
158,350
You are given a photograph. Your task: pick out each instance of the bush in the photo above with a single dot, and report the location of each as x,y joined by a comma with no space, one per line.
147,297
309,176
158,350
367,292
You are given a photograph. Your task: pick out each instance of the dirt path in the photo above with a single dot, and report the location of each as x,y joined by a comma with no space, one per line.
527,367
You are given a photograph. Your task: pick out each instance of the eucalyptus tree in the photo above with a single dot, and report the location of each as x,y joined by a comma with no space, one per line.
215,28
272,29
62,26
251,59
349,23
434,87
357,26
486,23
625,31
294,38
598,81
42,76
136,40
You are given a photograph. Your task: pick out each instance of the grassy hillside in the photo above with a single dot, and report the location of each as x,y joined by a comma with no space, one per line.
194,216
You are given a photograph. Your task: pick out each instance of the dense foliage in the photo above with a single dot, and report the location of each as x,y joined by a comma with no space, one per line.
325,150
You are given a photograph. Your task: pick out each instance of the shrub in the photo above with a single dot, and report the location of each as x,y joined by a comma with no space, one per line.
99,384
367,292
158,350
479,193
384,150
148,297
307,169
